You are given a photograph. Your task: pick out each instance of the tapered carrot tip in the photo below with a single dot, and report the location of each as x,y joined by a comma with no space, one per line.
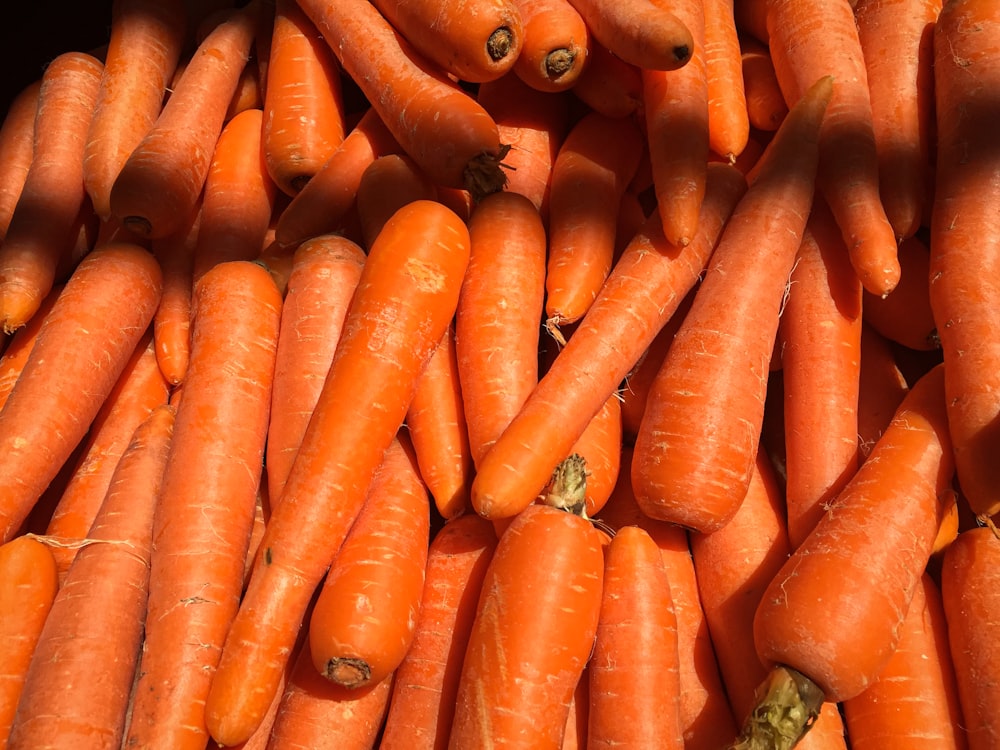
16,308
788,704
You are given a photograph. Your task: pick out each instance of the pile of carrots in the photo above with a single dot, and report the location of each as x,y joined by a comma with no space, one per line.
504,373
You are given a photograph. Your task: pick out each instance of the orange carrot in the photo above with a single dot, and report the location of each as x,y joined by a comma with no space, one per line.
41,226
554,47
766,105
751,19
95,625
388,337
600,446
28,585
608,84
15,354
17,135
905,316
83,346
205,514
386,185
144,47
172,322
728,120
882,386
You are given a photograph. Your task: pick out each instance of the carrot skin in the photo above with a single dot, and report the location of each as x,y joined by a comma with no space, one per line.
555,44
17,134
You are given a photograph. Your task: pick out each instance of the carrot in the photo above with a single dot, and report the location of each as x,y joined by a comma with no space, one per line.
751,19
964,243
15,354
766,105
405,299
28,585
533,632
696,446
205,514
17,135
95,625
644,289
812,39
363,621
83,346
422,704
600,445
575,736
386,185
248,94
728,120
160,182
819,338
554,44
644,33
969,595
172,322
866,556
608,84
897,41
905,316
882,386
51,199
303,100
145,42
325,273
460,150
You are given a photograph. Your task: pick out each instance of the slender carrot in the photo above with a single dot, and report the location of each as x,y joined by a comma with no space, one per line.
388,337
386,185
906,316
608,84
766,105
160,182
17,136
15,354
83,346
555,43
41,226
205,514
28,585
95,625
144,47
172,322
248,93
728,120
882,386
422,704
600,445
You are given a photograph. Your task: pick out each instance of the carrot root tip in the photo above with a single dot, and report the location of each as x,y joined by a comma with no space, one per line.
788,704
348,671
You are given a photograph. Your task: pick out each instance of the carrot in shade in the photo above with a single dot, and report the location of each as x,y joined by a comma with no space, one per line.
812,39
145,42
172,322
634,682
322,204
162,179
819,339
15,354
608,84
387,184
325,273
461,149
766,105
248,94
698,438
303,100
388,337
971,599
905,316
643,291
17,136
829,620
422,704
533,632
554,44
364,617
140,389
203,522
596,162
964,241
882,386
897,41
728,120
29,582
644,33
575,736
95,625
41,226
82,348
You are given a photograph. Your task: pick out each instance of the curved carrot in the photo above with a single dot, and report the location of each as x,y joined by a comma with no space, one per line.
387,184
95,625
405,299
555,43
728,120
906,316
17,135
766,105
83,346
608,84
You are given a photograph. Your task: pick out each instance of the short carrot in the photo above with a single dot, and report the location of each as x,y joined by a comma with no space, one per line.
906,316
728,119
555,44
608,84
766,105
386,185
172,322
17,135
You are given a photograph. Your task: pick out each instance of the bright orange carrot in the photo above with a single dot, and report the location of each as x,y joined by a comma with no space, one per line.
728,120
172,322
83,346
600,446
95,625
15,354
555,43
17,135
388,337
41,226
575,736
144,47
386,185
905,316
608,84
205,514
644,33
28,585
766,105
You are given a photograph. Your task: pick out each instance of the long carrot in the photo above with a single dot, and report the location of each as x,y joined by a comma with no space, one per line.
555,44
203,521
19,346
728,119
17,135
95,625
82,348
405,299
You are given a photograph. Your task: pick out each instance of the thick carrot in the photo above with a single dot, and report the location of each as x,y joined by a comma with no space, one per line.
608,84
766,105
697,442
533,632
554,47
303,100
644,289
160,182
172,322
95,625
644,33
444,129
28,585
17,136
405,299
964,241
19,346
728,120
82,348
634,681
423,694
51,199
145,42
905,316
386,185
969,591
205,514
